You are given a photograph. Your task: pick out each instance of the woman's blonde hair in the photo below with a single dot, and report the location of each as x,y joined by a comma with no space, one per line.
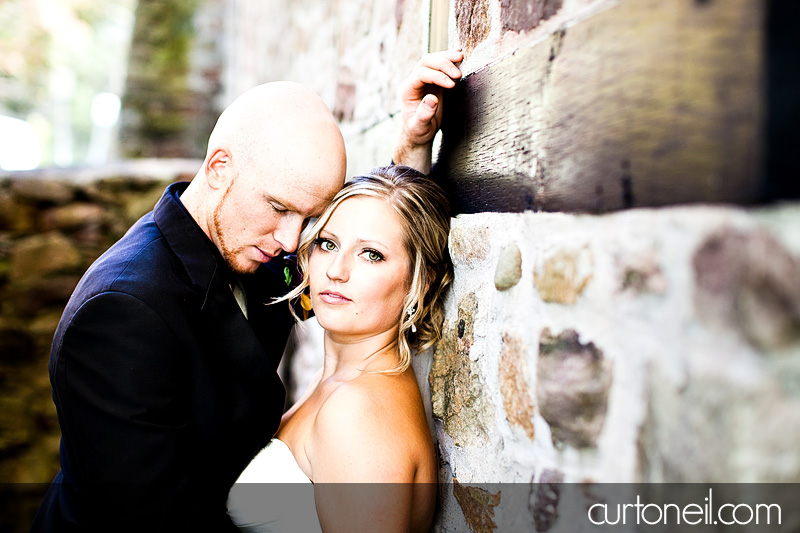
424,213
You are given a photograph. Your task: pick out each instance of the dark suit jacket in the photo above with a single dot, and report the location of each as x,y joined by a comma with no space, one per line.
164,390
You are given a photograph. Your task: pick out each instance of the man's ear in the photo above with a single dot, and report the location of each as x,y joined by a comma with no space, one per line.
218,169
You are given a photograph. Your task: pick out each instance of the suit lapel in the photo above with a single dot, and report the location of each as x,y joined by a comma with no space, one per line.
271,322
251,356
242,346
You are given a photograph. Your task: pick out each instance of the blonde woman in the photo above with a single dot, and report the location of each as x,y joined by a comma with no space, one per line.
376,269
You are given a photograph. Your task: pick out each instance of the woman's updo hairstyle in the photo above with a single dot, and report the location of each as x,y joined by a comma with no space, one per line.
425,214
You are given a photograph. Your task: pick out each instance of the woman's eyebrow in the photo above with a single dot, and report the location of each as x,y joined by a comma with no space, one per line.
377,245
371,241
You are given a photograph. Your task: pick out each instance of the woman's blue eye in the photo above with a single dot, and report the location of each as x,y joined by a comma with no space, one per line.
327,245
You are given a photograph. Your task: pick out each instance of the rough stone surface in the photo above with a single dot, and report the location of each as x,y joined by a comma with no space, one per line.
43,190
690,398
640,273
478,506
563,276
509,268
517,398
521,15
53,225
473,21
457,392
353,54
23,218
41,255
738,419
6,205
18,345
28,296
344,108
469,247
610,113
74,216
572,390
138,204
751,283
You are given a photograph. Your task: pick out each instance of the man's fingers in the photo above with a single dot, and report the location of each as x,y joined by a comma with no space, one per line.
444,66
437,69
427,76
444,61
427,109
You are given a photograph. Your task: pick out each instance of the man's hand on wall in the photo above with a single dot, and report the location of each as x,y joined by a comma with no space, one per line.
421,106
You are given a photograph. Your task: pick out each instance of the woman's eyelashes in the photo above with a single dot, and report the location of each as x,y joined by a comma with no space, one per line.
327,245
373,256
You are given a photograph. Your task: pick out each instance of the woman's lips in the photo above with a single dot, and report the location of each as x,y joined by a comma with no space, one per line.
332,297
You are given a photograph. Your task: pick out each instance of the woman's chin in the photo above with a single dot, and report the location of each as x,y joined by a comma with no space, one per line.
330,323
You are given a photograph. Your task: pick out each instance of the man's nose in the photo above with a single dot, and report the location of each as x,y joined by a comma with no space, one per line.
288,233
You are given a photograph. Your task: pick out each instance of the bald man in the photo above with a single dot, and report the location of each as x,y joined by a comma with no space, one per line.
164,364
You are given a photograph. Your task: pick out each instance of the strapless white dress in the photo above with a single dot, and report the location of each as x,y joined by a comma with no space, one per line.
273,495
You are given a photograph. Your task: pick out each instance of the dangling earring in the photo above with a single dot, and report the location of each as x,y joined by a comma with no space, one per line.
305,303
410,313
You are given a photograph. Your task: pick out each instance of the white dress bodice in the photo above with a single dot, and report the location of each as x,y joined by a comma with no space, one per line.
273,495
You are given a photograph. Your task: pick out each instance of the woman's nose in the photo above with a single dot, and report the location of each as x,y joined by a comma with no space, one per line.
338,269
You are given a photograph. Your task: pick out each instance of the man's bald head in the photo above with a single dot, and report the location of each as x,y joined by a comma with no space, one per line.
275,158
279,120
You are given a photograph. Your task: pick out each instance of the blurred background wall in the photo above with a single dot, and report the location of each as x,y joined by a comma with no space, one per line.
627,296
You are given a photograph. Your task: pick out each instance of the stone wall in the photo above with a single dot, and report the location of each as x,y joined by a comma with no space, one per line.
353,54
53,225
643,346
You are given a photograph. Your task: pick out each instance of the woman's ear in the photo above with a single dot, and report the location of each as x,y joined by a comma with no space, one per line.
218,169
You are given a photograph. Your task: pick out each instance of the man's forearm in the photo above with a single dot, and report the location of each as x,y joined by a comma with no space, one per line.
421,110
414,156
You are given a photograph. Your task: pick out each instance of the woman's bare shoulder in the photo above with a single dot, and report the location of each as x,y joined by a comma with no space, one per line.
371,399
367,431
